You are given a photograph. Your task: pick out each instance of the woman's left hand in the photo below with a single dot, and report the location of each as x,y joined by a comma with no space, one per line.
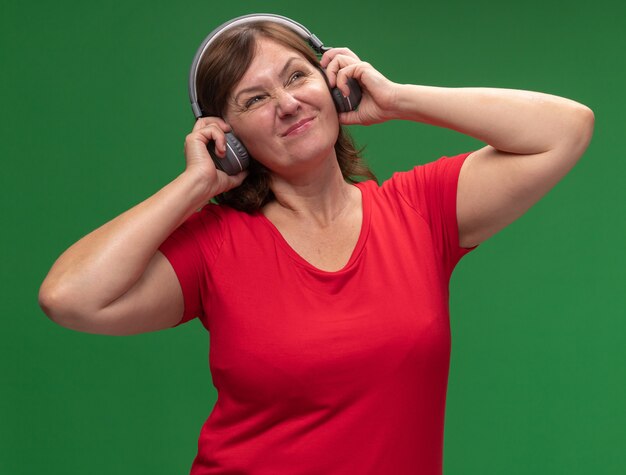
379,93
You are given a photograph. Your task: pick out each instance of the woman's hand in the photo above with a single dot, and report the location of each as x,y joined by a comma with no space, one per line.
199,162
379,93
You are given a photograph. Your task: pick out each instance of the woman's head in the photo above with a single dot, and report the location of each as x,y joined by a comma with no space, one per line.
230,56
221,70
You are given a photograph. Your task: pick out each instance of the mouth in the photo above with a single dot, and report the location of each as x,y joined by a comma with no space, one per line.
298,127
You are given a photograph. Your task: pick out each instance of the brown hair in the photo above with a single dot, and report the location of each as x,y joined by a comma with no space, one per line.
221,68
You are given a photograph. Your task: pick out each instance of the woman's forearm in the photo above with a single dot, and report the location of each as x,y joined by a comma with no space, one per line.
113,280
105,264
513,121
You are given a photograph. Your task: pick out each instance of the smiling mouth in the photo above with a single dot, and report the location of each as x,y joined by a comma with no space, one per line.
298,126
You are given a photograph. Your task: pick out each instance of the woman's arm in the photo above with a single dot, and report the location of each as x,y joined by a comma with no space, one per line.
114,280
533,139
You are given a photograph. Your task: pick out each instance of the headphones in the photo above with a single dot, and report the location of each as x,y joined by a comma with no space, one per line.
237,158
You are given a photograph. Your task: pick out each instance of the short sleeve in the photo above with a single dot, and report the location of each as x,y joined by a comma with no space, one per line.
431,189
191,249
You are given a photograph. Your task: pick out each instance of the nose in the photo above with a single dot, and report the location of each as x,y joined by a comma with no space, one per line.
286,103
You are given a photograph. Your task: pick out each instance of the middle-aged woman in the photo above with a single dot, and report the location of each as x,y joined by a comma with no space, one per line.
326,300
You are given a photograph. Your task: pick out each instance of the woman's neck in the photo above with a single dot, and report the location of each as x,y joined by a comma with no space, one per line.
319,197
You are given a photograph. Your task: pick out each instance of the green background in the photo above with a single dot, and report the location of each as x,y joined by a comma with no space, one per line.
94,115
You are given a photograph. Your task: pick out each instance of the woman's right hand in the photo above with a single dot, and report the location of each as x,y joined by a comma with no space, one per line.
200,163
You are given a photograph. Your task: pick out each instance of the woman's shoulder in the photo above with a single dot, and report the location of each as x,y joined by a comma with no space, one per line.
218,212
226,219
424,174
420,185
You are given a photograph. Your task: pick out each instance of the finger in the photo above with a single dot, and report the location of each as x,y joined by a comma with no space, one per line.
328,56
208,121
228,182
341,79
217,136
337,63
236,180
203,135
349,118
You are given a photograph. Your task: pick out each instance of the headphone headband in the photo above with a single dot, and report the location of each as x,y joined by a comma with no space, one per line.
296,27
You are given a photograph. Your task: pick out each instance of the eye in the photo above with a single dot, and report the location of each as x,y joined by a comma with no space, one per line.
296,76
254,100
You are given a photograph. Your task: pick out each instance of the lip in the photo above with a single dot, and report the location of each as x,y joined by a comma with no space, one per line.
299,126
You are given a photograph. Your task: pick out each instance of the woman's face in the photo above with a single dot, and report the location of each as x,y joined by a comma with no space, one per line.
282,110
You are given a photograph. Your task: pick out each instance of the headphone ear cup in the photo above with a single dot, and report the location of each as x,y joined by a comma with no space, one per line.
350,103
236,159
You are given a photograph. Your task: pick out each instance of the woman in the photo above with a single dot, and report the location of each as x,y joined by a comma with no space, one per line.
326,300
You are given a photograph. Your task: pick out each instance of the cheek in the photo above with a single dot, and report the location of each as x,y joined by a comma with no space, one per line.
252,128
325,98
256,133
323,94
332,117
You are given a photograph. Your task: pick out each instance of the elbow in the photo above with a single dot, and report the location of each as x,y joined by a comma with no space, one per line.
51,302
582,129
587,120
68,307
58,305
573,134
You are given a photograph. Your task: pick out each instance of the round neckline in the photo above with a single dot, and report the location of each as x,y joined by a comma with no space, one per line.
356,252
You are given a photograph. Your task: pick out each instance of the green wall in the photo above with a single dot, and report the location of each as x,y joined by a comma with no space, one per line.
94,115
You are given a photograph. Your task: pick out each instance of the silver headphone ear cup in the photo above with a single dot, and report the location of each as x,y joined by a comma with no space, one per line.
237,153
236,158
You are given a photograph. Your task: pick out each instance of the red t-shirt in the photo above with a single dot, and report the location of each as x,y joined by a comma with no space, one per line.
327,372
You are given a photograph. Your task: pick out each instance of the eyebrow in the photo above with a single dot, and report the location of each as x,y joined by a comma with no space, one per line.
282,73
